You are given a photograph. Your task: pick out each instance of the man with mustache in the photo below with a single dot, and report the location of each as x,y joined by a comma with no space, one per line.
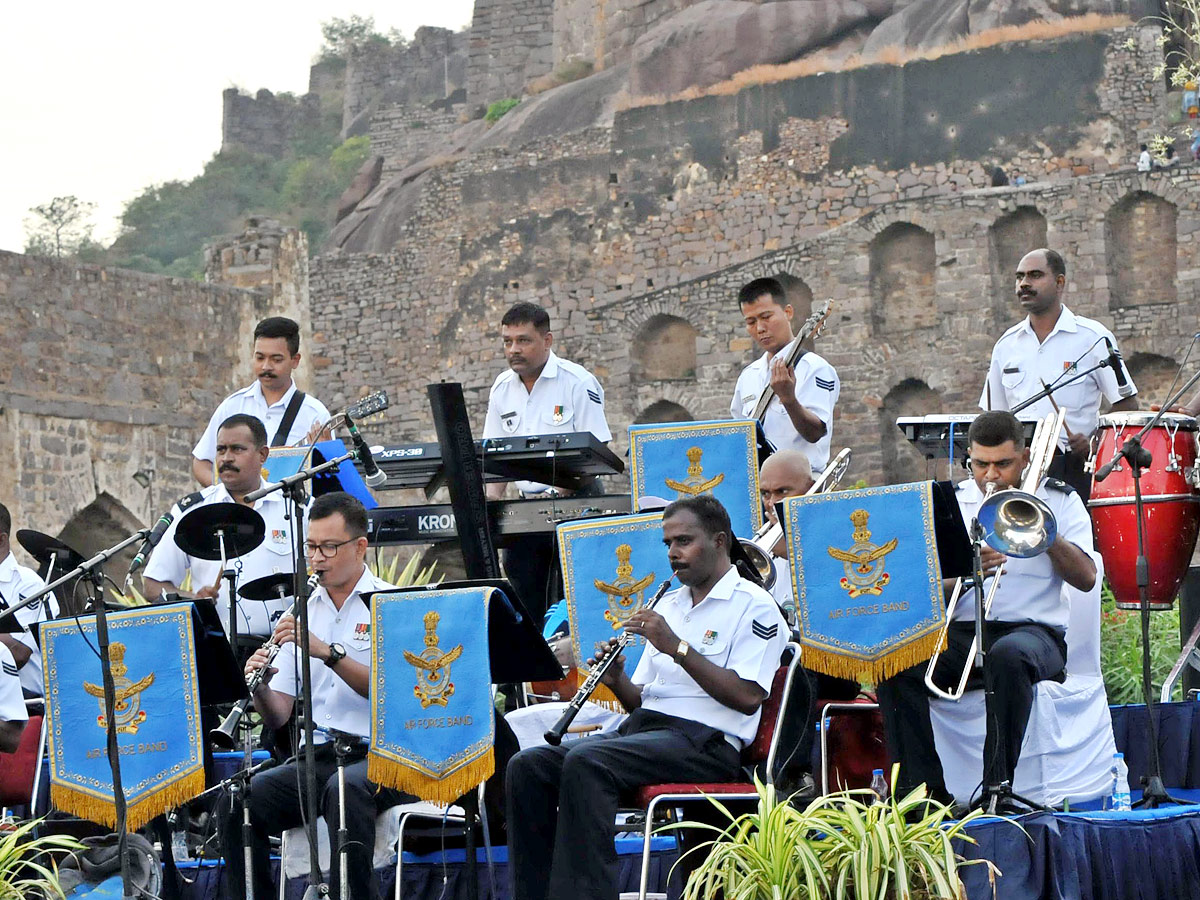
290,415
241,450
539,393
1052,345
1025,635
713,647
800,417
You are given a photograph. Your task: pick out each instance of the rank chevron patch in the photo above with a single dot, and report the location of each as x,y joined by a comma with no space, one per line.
764,631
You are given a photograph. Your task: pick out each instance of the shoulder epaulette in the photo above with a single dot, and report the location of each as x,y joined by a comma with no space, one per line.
1059,485
190,500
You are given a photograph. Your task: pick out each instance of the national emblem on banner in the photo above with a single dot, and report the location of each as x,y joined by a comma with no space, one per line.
157,713
866,578
432,730
611,567
687,459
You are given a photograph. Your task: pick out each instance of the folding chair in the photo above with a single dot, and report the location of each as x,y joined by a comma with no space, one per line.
762,749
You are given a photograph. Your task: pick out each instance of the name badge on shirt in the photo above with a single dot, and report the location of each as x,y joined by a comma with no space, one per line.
508,421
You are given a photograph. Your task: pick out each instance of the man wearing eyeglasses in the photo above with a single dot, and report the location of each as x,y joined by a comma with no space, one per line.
1025,628
339,622
241,451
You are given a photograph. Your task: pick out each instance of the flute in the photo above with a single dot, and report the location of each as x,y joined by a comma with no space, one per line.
555,735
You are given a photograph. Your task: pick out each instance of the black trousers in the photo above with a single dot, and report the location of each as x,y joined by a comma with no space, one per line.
562,801
1019,656
1068,467
276,804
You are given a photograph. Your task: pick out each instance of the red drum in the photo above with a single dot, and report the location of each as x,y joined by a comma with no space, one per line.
1172,505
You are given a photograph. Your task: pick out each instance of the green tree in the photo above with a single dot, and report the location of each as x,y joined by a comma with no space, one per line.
60,227
343,35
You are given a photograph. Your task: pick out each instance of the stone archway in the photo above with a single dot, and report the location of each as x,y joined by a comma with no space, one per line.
664,348
1140,232
901,462
1152,374
663,411
100,524
903,270
1009,238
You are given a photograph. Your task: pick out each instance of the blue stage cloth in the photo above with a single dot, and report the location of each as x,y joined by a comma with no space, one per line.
1178,741
1089,856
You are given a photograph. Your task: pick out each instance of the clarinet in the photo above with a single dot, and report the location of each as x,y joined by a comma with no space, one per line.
555,735
223,735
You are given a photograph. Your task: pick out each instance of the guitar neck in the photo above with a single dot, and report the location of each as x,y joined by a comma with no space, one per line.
768,394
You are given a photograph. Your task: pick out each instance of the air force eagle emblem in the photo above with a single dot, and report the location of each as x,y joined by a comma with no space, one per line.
863,562
433,666
625,596
127,708
695,484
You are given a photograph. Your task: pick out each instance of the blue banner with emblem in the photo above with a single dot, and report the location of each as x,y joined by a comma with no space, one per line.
432,729
153,660
866,577
687,459
611,566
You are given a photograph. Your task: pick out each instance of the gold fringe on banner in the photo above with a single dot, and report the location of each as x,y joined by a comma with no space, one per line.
443,791
841,665
103,810
604,697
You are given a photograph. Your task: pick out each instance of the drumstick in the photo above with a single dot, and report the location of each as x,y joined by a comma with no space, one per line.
1050,397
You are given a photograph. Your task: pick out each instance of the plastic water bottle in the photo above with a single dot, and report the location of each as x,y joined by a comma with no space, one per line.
1120,784
879,786
179,843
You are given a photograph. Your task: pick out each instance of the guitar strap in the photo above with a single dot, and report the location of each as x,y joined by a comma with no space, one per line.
289,419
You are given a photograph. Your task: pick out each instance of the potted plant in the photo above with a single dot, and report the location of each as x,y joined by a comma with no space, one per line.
24,872
844,845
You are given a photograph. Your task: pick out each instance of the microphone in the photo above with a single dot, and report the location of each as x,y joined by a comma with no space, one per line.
1124,388
374,476
156,535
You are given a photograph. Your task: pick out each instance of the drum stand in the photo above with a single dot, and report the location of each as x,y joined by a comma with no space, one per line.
1139,458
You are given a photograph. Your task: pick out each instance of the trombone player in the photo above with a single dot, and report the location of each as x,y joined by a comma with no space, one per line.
1025,628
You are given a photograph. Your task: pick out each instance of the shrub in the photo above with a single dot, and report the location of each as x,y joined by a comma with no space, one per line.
499,109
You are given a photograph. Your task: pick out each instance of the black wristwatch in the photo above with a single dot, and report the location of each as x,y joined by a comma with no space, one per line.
336,653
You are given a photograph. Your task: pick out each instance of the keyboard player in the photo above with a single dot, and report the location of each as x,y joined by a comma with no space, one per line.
539,393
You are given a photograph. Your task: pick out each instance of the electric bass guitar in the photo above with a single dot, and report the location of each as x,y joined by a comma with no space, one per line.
812,328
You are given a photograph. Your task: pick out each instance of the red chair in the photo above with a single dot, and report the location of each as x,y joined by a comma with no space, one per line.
762,749
17,769
854,738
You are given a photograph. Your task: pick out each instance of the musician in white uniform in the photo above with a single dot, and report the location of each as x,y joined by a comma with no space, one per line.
713,647
800,416
539,393
1025,630
16,583
12,703
241,451
1052,345
291,416
340,668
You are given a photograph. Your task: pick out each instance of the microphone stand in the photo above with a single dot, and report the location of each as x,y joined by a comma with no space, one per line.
1049,389
296,496
95,578
1154,793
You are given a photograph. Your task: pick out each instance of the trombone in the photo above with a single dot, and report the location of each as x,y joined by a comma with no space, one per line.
758,548
1014,522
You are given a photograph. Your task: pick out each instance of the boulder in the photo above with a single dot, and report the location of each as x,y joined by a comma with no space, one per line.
366,179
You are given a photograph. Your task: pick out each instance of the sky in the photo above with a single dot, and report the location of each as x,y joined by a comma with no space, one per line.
104,100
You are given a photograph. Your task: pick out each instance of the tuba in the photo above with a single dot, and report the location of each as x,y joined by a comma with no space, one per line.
1014,522
758,548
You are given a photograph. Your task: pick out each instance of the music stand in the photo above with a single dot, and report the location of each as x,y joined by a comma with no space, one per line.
517,652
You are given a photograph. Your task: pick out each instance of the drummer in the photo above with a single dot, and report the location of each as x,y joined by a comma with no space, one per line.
241,452
1050,346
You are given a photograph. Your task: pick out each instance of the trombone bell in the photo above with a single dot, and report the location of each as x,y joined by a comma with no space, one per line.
1017,523
760,559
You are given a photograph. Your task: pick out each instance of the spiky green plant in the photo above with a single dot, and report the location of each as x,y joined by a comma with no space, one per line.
410,576
23,872
843,845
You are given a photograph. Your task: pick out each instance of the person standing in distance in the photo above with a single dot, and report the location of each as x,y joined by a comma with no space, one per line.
1053,344
800,416
290,416
539,393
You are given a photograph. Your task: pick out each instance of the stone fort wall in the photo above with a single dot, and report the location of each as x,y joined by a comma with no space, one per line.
108,373
597,224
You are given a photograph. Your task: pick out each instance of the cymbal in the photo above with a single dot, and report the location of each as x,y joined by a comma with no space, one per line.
43,548
269,587
198,533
